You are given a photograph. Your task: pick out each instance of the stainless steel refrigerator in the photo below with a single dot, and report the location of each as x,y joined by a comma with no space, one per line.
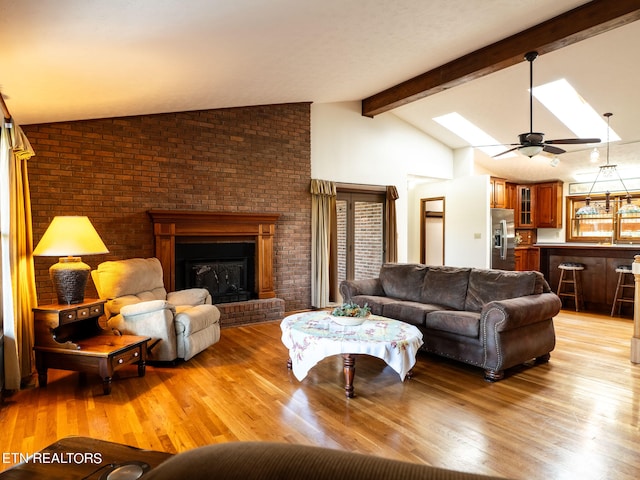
503,239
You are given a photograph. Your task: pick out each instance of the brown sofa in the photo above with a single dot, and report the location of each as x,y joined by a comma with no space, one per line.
492,319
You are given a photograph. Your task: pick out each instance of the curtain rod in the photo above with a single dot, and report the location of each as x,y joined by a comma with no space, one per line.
5,109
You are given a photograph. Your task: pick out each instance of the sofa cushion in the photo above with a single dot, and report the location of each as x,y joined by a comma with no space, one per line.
409,312
446,286
403,280
375,302
489,285
460,323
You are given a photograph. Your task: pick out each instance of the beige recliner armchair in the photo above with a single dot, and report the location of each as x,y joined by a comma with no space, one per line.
184,322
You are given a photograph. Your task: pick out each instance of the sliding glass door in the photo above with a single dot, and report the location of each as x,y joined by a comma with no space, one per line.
361,228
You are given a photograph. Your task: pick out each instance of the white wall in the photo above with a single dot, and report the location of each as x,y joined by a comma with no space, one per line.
466,223
347,147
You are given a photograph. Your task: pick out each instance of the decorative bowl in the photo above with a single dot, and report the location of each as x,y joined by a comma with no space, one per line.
348,321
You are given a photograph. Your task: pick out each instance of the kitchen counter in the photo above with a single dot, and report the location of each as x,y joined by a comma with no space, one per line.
587,246
599,277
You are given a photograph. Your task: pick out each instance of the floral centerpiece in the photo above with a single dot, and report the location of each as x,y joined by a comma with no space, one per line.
351,314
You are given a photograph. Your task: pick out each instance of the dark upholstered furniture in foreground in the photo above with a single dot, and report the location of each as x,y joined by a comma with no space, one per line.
278,461
99,459
492,319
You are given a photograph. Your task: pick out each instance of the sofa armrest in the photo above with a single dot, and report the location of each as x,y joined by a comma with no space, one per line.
502,315
352,288
190,296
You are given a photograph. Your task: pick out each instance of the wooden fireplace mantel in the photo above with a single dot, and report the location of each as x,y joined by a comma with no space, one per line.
171,224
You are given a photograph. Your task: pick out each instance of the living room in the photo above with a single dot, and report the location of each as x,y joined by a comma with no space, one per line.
576,416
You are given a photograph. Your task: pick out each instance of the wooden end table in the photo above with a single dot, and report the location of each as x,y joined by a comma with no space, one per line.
76,458
69,337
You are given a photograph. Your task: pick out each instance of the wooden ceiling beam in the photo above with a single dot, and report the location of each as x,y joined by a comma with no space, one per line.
583,22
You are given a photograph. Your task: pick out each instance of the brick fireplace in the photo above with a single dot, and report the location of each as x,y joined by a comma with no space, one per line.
246,159
189,245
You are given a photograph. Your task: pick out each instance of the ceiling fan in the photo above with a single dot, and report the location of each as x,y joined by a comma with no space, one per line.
533,143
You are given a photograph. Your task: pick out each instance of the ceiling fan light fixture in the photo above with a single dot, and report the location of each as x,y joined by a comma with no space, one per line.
530,150
532,143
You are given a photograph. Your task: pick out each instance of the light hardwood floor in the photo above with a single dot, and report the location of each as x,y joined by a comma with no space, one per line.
577,417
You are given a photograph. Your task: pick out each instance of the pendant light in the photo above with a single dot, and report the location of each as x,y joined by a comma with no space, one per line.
607,171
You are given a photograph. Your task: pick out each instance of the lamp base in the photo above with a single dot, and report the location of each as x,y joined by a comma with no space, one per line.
69,277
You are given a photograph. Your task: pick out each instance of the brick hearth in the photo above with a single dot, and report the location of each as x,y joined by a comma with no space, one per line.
252,311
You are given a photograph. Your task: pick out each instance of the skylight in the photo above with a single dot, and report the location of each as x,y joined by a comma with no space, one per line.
561,99
466,130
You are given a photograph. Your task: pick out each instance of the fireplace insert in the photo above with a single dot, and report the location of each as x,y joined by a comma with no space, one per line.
225,269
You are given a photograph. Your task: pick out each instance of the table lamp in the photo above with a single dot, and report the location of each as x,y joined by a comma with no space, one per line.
66,237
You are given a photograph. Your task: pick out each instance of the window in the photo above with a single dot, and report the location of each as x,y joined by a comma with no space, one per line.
603,225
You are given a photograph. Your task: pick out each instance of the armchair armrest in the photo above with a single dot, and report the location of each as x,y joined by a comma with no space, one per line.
145,308
502,315
190,296
352,288
155,319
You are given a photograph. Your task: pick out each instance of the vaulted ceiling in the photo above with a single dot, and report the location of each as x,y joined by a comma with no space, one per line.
80,59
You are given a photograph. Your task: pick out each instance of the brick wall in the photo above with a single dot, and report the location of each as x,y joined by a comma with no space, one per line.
250,159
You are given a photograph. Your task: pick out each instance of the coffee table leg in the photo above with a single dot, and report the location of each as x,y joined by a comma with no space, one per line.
349,368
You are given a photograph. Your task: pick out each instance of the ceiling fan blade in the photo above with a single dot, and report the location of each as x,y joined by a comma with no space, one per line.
507,151
552,149
498,145
573,141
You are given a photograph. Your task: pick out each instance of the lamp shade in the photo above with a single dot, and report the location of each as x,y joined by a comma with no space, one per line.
73,235
65,238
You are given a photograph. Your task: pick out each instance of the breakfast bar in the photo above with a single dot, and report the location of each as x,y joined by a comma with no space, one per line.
599,277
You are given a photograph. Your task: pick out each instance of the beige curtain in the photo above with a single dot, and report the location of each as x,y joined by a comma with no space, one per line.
17,279
391,240
323,231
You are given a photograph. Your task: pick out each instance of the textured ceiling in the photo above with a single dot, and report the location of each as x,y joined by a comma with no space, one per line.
78,59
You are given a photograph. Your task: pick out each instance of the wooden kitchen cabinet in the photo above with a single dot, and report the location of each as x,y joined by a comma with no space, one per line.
498,193
548,205
524,212
527,258
539,205
511,195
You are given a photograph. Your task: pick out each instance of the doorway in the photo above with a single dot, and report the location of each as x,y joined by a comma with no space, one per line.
361,227
432,231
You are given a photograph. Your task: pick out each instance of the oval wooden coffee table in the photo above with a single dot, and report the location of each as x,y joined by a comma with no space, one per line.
314,336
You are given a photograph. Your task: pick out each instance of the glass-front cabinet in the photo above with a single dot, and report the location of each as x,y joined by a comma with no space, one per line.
602,220
526,200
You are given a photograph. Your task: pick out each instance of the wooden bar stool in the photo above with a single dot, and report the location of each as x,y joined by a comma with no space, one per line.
575,288
619,298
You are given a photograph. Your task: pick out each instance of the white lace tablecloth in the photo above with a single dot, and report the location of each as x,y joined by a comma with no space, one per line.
313,336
